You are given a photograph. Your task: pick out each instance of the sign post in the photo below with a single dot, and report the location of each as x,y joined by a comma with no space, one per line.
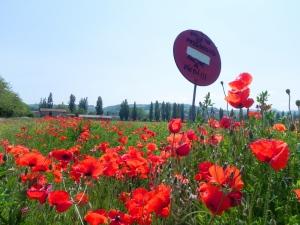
198,60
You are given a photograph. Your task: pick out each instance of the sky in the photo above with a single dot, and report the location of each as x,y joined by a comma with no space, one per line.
121,49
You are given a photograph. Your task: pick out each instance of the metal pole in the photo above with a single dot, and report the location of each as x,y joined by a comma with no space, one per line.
193,104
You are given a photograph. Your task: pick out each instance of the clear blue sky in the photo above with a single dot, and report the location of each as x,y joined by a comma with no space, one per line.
123,49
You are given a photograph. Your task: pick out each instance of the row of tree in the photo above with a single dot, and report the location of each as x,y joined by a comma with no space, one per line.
157,111
82,106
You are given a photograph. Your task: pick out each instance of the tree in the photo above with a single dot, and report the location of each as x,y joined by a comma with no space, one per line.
72,105
174,110
156,111
99,106
168,111
83,105
241,114
50,101
10,103
43,103
61,106
182,112
134,112
221,113
232,114
124,110
298,105
151,112
141,114
163,111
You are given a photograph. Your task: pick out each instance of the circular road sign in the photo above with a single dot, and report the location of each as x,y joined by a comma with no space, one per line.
197,57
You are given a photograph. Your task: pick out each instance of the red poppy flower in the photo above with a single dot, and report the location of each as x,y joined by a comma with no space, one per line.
81,198
191,135
239,98
202,130
143,203
1,158
151,147
175,125
117,217
253,114
110,162
35,160
39,192
89,167
134,163
228,177
96,217
184,149
123,140
213,198
271,151
203,173
220,188
213,123
279,127
225,122
215,139
242,81
62,155
297,193
17,150
103,146
60,200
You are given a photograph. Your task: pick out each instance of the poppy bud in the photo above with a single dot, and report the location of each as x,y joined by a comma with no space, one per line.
288,91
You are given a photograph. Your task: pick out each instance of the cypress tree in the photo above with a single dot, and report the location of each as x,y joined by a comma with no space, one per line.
72,105
99,106
151,112
168,111
174,110
156,111
182,112
134,112
163,111
50,101
121,112
221,113
126,110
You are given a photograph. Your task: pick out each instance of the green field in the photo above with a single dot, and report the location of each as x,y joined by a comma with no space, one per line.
110,160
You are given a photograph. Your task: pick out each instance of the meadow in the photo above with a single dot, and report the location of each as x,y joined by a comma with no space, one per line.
145,173
57,170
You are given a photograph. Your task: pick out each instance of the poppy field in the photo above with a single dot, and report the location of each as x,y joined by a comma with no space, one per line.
56,170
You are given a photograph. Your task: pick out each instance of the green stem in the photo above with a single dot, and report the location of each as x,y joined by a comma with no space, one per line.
267,198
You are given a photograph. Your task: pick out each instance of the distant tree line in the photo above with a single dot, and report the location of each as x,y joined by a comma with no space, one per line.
164,111
81,108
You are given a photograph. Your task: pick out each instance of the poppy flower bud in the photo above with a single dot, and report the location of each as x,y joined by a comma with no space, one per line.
288,91
174,125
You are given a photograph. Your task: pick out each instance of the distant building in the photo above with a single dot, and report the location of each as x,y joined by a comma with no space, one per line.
52,112
96,117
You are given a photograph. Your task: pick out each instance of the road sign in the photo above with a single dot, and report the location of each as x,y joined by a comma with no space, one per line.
197,57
